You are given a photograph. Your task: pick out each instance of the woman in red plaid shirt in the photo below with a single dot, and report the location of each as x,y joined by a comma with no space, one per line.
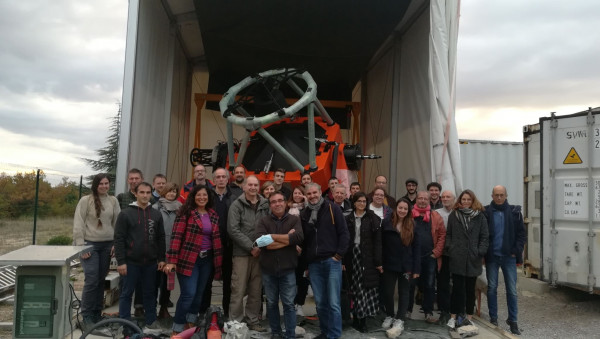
194,252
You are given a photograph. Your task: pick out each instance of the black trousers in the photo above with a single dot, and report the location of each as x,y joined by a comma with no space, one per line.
463,294
389,280
443,285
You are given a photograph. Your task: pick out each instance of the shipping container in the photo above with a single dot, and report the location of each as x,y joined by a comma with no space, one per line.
486,164
562,199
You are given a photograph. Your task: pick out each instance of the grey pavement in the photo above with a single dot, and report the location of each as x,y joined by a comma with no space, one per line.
415,328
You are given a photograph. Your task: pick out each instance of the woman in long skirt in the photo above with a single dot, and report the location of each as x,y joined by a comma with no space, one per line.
363,261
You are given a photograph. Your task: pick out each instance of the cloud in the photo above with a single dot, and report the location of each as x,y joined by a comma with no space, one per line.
528,54
61,75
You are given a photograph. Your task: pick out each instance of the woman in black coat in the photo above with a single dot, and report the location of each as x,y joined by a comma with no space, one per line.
401,263
363,260
466,245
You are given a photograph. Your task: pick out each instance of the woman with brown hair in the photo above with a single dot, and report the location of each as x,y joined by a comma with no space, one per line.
401,263
194,253
466,245
94,224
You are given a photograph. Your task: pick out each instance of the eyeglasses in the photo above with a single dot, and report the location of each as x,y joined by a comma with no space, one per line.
279,201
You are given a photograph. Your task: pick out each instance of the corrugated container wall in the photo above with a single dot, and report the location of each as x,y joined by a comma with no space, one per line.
486,164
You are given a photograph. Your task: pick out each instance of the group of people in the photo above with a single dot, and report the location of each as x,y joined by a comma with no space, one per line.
275,241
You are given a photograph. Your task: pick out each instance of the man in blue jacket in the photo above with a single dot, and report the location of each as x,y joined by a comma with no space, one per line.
326,240
507,239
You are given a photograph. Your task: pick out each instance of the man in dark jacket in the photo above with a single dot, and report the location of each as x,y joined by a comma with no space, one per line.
278,262
140,252
507,239
326,240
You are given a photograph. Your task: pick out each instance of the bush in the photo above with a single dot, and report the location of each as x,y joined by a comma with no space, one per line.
61,240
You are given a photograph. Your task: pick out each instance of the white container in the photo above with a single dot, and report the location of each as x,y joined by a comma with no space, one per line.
486,164
562,199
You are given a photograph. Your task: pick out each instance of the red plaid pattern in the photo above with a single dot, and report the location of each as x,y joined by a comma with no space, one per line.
186,240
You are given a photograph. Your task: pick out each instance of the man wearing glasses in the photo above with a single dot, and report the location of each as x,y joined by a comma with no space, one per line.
279,233
199,179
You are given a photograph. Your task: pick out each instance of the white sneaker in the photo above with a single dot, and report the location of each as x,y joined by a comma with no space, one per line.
396,329
387,323
451,323
299,311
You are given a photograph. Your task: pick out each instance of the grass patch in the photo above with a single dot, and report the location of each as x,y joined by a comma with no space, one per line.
18,233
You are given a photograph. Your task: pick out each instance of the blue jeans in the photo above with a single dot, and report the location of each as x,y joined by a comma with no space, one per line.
95,269
326,281
509,270
147,275
426,283
283,285
192,290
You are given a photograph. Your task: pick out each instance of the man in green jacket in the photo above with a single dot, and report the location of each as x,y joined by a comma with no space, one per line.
246,275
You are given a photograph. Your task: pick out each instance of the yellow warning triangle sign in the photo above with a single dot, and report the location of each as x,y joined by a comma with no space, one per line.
572,157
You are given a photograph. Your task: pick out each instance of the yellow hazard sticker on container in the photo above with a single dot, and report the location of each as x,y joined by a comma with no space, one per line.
572,157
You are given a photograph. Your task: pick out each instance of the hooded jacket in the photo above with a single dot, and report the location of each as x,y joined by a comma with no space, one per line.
139,236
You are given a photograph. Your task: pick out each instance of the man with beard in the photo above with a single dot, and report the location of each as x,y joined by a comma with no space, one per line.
324,254
411,190
239,174
434,190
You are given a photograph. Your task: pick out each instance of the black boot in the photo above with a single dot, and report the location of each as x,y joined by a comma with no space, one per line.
514,328
356,323
362,326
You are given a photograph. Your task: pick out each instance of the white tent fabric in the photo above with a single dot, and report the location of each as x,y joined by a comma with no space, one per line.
408,100
442,62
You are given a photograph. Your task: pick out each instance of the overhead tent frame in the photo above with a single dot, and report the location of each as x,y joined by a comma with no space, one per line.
414,84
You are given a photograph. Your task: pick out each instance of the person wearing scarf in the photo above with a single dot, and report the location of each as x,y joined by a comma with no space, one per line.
168,205
326,240
429,227
507,239
466,244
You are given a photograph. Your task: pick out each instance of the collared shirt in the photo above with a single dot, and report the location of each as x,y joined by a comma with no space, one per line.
444,213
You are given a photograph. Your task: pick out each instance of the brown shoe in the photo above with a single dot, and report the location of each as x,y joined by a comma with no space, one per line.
257,327
174,334
187,326
430,319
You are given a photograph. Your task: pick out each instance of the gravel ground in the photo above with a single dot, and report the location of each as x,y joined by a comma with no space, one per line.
561,313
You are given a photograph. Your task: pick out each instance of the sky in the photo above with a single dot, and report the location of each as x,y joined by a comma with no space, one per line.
61,73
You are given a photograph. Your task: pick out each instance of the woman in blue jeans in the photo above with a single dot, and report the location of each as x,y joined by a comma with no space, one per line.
94,224
194,252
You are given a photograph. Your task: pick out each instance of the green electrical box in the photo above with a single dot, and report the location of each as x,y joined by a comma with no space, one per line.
42,307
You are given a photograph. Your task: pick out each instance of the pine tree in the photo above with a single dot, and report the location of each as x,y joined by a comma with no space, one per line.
108,155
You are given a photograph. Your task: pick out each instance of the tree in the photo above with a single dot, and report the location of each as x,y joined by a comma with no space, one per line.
108,155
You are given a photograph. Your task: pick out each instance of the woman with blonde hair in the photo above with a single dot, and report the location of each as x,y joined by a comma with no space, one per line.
267,189
94,224
466,245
